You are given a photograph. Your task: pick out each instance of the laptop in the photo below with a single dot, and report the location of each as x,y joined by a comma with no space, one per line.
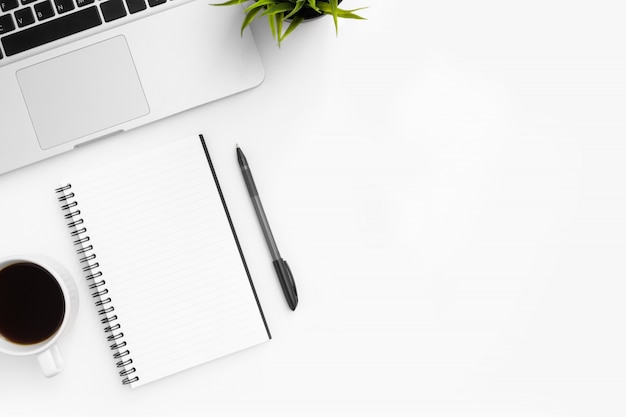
72,71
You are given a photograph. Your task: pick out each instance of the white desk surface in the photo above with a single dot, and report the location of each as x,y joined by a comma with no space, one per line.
447,181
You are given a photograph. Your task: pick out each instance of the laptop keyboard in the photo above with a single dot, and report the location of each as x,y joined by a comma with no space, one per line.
27,24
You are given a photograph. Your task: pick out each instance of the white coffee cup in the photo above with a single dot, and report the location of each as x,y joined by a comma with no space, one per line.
46,350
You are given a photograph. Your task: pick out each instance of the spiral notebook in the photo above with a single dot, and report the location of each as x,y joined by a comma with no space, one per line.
162,260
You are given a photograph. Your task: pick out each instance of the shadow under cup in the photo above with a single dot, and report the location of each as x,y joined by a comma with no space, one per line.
32,303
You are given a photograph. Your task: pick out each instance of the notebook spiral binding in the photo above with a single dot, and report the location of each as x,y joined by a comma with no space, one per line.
93,275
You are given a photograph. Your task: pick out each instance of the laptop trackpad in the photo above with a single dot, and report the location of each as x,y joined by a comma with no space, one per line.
82,92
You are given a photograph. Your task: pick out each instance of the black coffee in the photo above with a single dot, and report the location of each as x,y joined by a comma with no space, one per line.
32,305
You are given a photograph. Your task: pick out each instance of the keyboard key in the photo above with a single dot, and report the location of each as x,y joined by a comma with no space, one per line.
6,5
44,10
153,3
135,6
112,9
25,2
6,24
24,17
82,3
64,6
52,30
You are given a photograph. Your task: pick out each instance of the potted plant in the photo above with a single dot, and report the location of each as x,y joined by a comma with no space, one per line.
293,12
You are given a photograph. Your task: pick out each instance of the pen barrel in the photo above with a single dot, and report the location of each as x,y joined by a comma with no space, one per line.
250,185
265,226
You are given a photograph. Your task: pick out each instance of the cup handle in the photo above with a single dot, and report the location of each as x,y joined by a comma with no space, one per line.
50,361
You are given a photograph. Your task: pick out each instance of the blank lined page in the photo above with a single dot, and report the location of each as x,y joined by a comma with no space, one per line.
169,259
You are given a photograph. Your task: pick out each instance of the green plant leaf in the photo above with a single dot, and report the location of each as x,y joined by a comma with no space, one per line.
272,23
279,26
313,6
248,19
294,24
228,3
259,4
298,6
278,8
333,10
347,14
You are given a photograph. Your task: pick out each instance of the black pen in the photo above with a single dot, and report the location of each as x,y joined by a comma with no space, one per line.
280,265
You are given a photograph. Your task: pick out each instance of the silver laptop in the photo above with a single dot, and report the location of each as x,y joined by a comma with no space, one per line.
72,71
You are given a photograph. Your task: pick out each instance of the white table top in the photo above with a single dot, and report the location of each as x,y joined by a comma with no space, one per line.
447,182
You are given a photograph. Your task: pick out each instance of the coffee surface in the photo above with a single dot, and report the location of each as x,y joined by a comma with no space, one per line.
32,305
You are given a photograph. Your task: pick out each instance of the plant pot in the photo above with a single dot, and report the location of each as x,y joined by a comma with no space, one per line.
310,14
